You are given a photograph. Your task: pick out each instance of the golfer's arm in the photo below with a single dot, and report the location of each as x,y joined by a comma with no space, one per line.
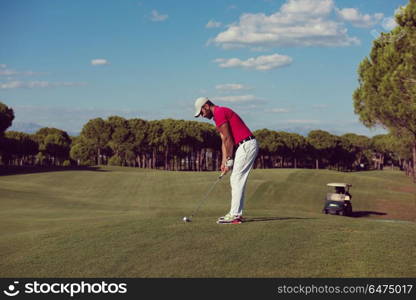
227,142
224,152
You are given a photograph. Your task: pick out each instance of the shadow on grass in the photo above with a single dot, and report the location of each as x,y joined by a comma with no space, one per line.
266,219
360,214
13,170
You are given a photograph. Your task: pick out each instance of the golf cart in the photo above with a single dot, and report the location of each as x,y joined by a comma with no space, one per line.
338,200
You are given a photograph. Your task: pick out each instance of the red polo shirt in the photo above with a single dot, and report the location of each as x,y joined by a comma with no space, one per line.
239,130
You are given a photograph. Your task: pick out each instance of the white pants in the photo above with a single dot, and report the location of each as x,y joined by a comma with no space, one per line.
243,163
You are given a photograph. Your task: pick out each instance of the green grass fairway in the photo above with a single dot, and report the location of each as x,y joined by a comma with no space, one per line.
125,222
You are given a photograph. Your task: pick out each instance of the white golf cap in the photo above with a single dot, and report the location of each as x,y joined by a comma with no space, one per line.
198,105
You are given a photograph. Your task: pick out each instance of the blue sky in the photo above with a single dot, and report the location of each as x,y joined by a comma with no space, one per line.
280,64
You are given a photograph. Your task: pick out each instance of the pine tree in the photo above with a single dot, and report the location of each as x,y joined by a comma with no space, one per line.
386,94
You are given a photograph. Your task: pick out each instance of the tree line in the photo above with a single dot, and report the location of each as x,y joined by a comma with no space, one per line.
195,146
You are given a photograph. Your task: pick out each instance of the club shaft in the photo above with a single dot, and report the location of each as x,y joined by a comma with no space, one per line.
205,197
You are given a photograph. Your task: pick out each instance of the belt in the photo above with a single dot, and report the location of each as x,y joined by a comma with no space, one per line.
251,137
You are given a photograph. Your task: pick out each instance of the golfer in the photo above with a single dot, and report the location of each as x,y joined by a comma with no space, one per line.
234,134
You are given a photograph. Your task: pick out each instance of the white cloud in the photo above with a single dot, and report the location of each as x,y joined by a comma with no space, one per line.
37,84
297,23
11,85
238,99
358,19
277,110
389,23
99,62
307,8
260,63
213,24
156,17
9,72
232,87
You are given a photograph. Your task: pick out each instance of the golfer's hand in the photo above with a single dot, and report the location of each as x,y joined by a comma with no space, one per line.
224,169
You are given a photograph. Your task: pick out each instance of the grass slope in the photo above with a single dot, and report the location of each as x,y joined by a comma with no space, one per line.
122,222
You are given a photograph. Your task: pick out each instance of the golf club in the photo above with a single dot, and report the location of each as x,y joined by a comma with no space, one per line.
186,219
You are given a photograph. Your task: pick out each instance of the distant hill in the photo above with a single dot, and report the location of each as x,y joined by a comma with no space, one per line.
305,131
25,127
32,128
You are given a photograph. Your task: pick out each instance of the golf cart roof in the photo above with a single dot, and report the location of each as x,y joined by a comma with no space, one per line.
337,184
